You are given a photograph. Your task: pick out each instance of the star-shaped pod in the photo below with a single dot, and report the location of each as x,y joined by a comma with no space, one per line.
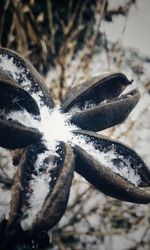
58,140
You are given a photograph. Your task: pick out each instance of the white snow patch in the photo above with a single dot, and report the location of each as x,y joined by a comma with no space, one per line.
106,158
23,117
55,127
17,73
76,108
40,186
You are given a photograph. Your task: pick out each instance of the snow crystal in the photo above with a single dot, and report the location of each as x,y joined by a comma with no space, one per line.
54,125
108,158
19,75
23,117
40,186
77,108
7,64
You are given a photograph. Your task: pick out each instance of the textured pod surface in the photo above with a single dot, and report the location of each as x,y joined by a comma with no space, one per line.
41,188
13,97
107,114
112,168
56,201
42,182
23,73
95,91
14,135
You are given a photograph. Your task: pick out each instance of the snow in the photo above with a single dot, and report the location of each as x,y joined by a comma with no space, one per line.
108,158
87,105
17,73
23,117
55,127
21,75
40,186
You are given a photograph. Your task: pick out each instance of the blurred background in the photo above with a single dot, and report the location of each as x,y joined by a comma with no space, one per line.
70,41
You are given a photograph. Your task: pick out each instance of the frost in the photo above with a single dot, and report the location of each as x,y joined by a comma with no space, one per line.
54,125
20,75
109,158
23,117
37,97
7,169
40,186
17,73
77,108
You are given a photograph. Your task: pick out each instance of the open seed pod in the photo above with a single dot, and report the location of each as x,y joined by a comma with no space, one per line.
21,89
41,188
13,97
13,66
96,104
96,90
111,167
14,135
44,175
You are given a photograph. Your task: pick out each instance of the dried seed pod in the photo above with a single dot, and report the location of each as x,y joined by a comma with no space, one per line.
42,182
95,91
25,75
56,201
34,209
14,135
107,114
112,167
13,97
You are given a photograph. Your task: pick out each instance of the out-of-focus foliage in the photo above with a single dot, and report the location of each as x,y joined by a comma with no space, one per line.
39,28
51,32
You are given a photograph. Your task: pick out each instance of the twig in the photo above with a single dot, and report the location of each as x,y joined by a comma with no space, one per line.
51,27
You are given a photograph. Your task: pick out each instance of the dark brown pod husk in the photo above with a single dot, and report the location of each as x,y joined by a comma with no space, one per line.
95,91
105,178
26,76
14,135
13,97
54,202
106,115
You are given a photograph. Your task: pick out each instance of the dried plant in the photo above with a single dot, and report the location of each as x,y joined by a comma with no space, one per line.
56,32
57,141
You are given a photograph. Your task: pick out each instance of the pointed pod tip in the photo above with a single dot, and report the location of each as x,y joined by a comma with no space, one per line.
132,81
13,135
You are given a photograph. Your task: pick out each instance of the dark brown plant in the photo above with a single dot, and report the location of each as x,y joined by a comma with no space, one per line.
88,108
